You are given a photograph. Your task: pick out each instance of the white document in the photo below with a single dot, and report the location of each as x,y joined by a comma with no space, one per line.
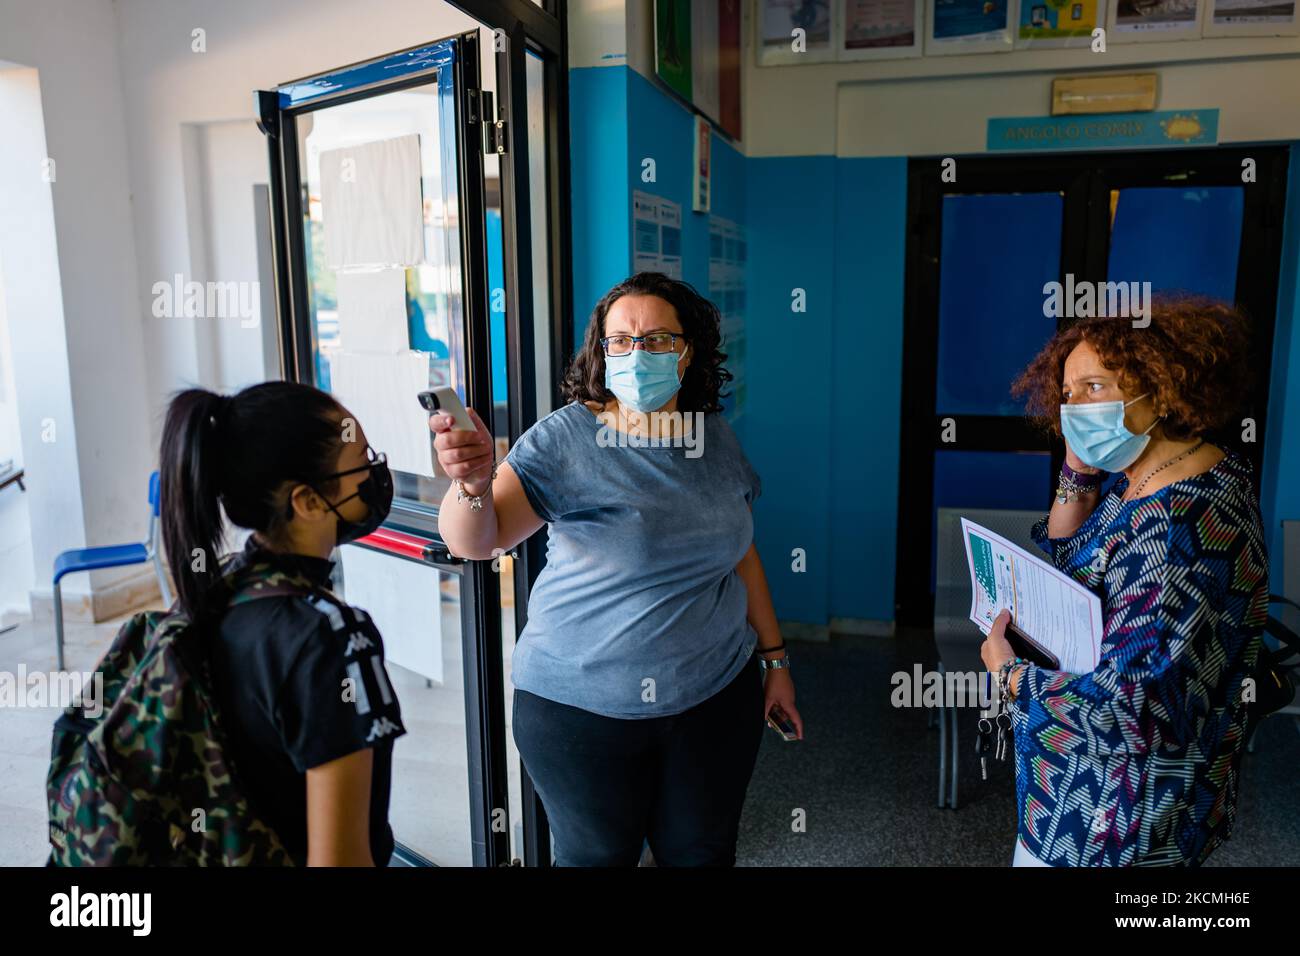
403,599
372,205
382,391
1055,610
372,311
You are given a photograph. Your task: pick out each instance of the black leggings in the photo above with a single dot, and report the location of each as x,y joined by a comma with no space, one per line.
608,784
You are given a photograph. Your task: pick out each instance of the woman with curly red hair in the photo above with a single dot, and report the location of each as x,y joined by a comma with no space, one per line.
1136,762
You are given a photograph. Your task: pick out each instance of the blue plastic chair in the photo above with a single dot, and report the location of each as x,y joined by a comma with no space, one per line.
110,556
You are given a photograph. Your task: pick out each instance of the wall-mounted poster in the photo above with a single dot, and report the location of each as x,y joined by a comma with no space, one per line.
656,234
1139,21
1059,23
673,45
703,155
879,29
729,67
794,31
697,55
727,292
968,26
1250,18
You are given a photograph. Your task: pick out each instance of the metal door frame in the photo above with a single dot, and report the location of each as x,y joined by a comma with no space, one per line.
525,27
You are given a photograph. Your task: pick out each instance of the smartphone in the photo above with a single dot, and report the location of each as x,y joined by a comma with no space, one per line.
780,722
446,400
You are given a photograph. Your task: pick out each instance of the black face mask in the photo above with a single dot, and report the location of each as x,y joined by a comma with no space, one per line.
376,491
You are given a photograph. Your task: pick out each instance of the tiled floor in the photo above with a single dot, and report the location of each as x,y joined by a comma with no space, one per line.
25,733
429,810
865,776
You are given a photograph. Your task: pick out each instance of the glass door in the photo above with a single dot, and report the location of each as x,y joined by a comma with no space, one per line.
979,254
382,292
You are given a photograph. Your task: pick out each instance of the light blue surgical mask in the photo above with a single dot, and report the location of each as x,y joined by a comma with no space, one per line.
641,380
1095,432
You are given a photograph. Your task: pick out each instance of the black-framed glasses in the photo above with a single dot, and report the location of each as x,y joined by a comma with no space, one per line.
654,342
373,458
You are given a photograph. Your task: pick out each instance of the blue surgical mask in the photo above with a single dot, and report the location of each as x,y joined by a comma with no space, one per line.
641,380
1095,432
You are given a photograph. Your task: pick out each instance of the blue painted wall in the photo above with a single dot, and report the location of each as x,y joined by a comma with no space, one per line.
601,203
866,384
788,428
825,384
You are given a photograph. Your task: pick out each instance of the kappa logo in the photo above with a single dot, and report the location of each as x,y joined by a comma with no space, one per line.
358,642
382,727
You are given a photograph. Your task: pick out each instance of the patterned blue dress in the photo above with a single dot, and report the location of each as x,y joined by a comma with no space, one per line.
1137,762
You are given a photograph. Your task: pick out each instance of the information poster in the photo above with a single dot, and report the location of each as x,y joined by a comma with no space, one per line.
656,234
1251,18
878,29
697,55
673,45
794,31
1059,23
727,291
1154,20
968,26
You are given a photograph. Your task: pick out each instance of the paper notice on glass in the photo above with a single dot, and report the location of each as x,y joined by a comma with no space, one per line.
382,392
372,311
1055,610
371,203
404,600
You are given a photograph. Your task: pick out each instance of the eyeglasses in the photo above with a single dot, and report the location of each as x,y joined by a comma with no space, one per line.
654,342
372,459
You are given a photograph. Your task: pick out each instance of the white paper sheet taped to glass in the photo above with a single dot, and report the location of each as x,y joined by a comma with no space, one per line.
372,311
372,204
382,391
1054,609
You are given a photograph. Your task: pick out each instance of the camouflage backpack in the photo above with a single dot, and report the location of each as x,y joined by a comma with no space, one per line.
147,780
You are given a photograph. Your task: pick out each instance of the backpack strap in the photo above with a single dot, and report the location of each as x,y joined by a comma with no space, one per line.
264,581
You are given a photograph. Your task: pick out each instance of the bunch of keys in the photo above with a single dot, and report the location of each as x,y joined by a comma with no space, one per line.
994,719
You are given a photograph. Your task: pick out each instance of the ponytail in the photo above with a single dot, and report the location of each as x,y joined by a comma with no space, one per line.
190,492
241,455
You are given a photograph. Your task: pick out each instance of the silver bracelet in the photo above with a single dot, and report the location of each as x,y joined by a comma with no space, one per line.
475,501
1068,490
780,662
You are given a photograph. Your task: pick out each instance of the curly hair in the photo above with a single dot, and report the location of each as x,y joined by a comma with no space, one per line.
701,326
1192,358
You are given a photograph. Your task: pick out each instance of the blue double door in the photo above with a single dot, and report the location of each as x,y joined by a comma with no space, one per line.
983,249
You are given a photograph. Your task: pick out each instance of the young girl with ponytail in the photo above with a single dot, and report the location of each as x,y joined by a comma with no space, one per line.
305,703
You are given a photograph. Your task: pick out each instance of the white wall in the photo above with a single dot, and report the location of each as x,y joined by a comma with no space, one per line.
16,572
41,394
598,32
156,157
175,95
227,159
98,496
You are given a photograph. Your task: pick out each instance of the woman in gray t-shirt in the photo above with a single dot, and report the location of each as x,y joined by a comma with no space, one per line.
639,705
